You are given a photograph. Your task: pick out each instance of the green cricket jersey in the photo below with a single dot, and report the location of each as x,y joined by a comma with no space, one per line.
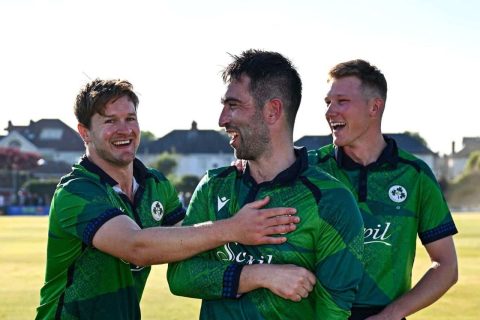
328,241
82,282
399,198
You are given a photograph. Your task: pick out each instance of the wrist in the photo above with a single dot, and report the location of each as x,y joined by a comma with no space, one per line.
224,231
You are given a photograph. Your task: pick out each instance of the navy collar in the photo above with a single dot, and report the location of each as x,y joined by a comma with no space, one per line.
286,176
139,171
388,155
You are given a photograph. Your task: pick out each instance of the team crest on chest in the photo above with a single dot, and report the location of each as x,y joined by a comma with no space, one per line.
157,210
397,193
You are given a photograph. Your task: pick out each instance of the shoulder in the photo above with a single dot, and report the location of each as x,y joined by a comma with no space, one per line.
333,191
320,155
157,175
416,163
79,180
221,173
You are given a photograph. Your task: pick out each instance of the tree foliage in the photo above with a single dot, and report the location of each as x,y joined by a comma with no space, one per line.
165,163
187,183
147,136
14,159
41,187
473,162
417,137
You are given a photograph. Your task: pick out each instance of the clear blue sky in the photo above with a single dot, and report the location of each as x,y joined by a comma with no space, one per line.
172,51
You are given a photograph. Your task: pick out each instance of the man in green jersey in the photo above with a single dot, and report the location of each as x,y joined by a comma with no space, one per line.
235,280
108,217
396,192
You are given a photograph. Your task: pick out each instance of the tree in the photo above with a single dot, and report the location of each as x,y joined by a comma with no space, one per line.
14,159
165,163
187,183
147,136
417,137
473,163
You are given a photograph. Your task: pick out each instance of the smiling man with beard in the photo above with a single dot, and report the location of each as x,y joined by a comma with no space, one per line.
315,275
109,216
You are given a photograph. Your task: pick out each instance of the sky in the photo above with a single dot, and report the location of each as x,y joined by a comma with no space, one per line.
173,52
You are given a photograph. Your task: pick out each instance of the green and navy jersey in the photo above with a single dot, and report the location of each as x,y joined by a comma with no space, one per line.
328,241
399,198
82,282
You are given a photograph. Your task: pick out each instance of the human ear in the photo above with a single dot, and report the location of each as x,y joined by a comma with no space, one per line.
376,108
273,110
84,132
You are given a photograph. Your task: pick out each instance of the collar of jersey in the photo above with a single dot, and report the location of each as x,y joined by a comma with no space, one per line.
388,155
139,171
287,175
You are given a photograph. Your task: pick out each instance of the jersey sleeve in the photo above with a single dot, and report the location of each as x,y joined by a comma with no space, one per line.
202,276
82,207
339,266
435,219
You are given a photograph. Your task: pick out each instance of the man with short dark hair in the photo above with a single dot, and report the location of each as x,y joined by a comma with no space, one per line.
260,282
108,217
396,192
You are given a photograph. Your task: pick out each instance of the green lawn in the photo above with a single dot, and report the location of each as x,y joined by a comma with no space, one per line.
22,259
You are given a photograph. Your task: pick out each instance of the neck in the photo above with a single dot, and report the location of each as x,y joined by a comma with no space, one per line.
366,153
272,162
123,175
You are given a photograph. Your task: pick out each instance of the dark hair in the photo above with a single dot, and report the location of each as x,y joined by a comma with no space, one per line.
370,76
271,76
95,95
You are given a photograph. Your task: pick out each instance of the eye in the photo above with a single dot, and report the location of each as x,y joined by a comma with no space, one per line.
132,118
109,121
230,105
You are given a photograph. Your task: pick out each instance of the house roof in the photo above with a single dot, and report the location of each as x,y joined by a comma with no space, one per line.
50,134
190,142
404,141
470,144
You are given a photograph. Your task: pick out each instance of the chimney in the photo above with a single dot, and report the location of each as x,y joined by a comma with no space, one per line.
453,147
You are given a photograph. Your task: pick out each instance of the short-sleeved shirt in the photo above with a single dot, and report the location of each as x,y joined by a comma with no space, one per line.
399,198
82,282
328,241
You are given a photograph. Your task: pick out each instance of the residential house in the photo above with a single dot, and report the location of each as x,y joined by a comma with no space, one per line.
58,144
458,160
197,150
403,140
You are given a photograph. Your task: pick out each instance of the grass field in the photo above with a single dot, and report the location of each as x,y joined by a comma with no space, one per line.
22,263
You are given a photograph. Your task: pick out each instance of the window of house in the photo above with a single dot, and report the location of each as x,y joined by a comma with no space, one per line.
51,134
15,144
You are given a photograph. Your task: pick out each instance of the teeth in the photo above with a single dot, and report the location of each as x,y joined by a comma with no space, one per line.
337,124
121,142
232,134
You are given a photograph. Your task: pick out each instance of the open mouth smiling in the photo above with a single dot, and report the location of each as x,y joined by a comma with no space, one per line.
337,125
122,143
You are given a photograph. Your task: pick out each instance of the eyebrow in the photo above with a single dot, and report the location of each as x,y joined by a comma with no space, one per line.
113,116
224,100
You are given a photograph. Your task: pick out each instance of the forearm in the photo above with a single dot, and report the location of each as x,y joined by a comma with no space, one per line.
198,277
170,244
435,283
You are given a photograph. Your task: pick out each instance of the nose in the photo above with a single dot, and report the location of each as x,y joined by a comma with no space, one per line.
124,127
331,110
224,117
